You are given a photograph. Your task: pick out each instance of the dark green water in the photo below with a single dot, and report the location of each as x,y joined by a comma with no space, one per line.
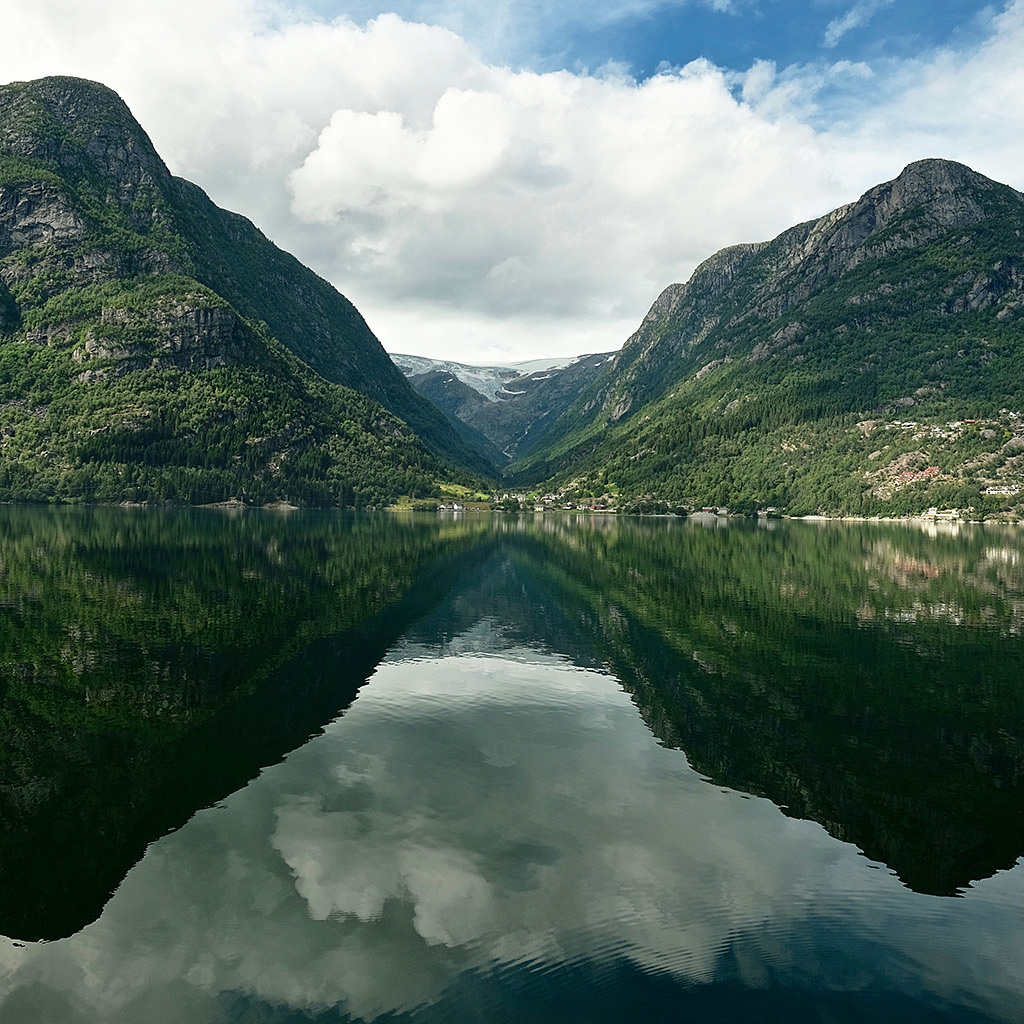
266,768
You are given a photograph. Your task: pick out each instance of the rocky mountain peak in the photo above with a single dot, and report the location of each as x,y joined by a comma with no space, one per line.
80,128
950,192
937,189
926,200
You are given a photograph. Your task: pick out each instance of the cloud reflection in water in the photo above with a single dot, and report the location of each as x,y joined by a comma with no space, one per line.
506,815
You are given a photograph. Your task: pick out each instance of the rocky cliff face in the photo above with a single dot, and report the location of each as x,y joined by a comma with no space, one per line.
37,214
757,284
186,332
85,199
749,379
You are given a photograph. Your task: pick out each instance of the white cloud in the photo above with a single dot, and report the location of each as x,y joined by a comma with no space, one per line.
954,104
472,210
557,195
858,15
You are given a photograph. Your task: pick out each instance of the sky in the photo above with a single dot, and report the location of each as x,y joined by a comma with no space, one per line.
521,179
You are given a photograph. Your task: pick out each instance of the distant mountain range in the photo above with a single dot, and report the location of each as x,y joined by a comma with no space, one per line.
513,406
154,347
489,381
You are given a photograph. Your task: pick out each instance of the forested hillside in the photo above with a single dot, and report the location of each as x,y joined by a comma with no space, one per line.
156,348
871,361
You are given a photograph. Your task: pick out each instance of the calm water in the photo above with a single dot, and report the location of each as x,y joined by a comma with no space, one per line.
269,769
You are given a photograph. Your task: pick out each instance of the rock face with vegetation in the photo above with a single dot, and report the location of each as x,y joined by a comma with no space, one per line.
871,361
156,347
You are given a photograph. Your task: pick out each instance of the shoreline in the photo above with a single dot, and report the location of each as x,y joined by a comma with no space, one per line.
237,505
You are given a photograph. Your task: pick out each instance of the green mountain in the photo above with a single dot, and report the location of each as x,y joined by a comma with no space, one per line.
154,346
871,361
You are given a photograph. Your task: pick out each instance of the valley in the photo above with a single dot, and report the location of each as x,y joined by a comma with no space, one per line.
157,349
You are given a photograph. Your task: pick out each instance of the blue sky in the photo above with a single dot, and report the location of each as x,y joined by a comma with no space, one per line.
784,31
645,35
521,178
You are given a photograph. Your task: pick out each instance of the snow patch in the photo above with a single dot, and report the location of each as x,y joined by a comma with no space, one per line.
490,381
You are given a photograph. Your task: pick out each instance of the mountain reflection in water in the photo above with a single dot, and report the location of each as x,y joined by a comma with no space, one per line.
491,830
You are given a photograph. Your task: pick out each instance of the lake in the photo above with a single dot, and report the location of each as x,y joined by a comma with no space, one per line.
310,766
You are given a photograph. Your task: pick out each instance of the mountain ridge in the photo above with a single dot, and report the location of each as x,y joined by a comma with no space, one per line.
910,295
120,277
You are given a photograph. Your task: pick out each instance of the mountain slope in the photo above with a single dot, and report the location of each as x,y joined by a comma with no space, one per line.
454,398
782,371
515,406
152,345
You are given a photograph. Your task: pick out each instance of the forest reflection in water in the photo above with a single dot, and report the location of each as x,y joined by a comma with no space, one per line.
492,829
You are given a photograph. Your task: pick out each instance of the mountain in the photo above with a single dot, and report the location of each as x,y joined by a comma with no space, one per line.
456,399
513,406
870,361
486,379
154,346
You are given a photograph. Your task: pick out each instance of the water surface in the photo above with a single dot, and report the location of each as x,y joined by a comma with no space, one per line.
337,768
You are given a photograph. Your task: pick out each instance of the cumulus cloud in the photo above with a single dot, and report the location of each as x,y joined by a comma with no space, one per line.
554,194
481,211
